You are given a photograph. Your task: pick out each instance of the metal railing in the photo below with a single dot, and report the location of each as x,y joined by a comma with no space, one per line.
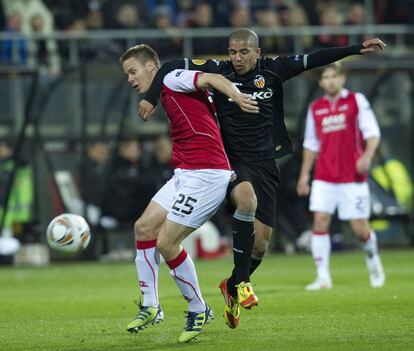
400,35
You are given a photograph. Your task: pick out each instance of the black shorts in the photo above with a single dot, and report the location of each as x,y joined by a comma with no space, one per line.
264,176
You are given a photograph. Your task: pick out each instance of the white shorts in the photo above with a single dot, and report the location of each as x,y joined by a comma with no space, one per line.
351,199
191,197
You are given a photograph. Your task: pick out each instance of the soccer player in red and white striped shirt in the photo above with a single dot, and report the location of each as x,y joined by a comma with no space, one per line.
201,177
341,136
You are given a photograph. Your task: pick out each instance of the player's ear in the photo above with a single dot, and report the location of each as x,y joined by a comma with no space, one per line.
150,66
257,52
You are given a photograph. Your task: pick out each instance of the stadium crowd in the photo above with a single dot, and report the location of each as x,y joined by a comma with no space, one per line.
46,16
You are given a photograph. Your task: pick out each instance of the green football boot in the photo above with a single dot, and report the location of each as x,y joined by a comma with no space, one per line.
146,316
195,324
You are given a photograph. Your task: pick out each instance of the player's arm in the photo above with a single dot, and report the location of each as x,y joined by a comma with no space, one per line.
311,147
369,128
287,67
308,159
326,56
363,164
147,105
218,82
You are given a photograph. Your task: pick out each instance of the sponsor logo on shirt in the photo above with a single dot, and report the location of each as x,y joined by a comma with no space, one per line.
198,62
321,111
343,107
334,123
259,81
260,95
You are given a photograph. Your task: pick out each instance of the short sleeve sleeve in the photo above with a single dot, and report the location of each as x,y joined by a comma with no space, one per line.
311,141
180,80
366,119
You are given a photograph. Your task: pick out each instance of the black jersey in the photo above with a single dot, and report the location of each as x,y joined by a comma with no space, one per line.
255,137
247,136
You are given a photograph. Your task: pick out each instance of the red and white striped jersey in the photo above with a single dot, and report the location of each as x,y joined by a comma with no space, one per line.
337,130
195,133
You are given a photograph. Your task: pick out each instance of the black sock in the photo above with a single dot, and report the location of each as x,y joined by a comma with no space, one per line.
254,263
243,240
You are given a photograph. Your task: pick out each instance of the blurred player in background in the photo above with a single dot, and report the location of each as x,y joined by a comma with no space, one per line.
342,135
253,142
201,177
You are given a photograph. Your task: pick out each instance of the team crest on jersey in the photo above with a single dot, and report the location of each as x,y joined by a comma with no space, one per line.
259,81
198,62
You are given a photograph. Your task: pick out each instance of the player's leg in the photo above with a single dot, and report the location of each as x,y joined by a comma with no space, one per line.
198,194
244,199
147,259
321,251
322,203
261,244
368,241
355,207
182,270
265,178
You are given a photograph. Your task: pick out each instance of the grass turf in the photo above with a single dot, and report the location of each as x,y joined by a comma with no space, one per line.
86,306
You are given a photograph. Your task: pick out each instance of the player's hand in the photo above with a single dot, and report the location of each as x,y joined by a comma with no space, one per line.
145,109
372,45
303,188
363,164
246,103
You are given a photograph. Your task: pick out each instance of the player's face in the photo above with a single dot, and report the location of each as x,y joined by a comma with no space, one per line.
332,82
139,76
243,56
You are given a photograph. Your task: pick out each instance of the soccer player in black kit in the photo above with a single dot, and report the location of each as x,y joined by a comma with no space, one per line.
252,143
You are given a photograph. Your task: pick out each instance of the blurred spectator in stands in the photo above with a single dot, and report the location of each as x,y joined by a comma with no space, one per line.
170,46
240,17
394,11
152,5
21,196
270,44
128,16
44,53
125,14
203,18
37,18
13,51
130,184
67,13
310,10
330,18
298,18
96,168
283,11
94,180
355,15
97,50
163,170
184,13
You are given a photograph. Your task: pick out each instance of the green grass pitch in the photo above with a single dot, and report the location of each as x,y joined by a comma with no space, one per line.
86,306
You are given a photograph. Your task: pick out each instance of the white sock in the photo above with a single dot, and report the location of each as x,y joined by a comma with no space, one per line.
321,251
183,271
147,263
370,247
